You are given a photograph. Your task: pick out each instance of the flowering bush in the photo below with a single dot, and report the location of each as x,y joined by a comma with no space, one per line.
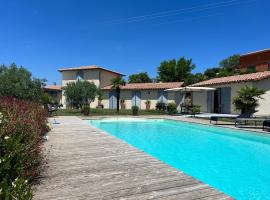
22,125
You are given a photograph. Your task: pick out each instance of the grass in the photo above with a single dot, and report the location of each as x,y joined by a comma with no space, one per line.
104,112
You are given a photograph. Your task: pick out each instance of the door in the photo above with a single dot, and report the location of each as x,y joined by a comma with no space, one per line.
178,99
136,98
217,101
112,100
210,101
225,100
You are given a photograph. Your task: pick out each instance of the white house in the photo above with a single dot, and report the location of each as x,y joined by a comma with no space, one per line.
221,100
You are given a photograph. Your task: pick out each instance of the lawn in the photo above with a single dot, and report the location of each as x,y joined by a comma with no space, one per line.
103,112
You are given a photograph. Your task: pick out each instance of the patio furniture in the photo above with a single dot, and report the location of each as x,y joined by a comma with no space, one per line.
51,109
241,116
266,124
240,121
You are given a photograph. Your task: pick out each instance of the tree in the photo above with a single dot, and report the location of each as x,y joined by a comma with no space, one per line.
140,78
117,82
167,71
18,82
229,66
184,68
247,98
80,93
194,78
172,70
211,72
231,62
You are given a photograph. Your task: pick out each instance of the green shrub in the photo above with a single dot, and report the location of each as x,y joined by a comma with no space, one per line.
135,110
86,110
161,106
195,109
22,126
18,82
172,108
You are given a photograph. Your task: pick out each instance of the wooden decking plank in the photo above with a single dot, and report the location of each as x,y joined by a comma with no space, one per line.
87,163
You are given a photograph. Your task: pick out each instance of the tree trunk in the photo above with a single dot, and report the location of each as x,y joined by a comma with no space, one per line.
117,98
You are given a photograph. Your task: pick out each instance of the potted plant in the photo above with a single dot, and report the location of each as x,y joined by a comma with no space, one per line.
122,104
135,110
195,109
247,99
100,100
148,104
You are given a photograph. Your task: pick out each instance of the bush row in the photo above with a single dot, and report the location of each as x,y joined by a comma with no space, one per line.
22,126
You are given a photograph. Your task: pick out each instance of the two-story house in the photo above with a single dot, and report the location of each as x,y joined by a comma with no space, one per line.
257,61
100,76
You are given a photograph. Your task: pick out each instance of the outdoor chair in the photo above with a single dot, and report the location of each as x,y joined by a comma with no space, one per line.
266,124
51,109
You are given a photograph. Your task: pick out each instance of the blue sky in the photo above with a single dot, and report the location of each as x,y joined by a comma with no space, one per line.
128,36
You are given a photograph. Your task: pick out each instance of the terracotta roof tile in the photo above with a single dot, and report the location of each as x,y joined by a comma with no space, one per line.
235,79
147,86
53,87
88,68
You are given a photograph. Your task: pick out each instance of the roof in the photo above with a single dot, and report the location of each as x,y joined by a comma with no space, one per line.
91,67
235,79
147,86
256,52
53,87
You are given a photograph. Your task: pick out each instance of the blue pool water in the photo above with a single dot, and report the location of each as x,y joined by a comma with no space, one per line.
235,162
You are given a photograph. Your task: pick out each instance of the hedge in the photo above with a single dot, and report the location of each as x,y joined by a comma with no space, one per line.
22,127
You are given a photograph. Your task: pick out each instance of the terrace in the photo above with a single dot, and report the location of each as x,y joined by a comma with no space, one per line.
87,163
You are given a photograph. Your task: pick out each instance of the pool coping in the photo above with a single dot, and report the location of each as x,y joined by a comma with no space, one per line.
182,119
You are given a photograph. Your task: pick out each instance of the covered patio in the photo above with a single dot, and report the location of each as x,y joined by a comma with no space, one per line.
187,97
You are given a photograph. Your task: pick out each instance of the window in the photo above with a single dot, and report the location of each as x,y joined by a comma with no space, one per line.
251,69
80,75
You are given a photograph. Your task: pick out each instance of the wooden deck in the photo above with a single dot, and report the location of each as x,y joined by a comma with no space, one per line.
87,163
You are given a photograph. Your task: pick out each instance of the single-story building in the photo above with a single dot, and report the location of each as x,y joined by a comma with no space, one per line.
221,99
138,94
55,91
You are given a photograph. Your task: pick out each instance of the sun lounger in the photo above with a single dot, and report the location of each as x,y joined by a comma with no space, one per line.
241,121
218,117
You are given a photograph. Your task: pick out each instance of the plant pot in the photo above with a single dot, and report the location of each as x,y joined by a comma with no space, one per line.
135,110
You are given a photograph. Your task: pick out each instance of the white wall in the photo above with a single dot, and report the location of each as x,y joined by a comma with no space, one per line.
200,99
150,95
264,104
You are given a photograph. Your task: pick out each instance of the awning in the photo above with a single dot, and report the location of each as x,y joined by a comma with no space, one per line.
191,89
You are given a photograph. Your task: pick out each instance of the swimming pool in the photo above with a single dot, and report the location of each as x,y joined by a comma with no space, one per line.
235,162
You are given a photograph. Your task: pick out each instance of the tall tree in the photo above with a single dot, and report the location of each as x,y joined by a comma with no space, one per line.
117,82
229,66
172,70
140,78
167,71
184,68
18,82
211,72
81,93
